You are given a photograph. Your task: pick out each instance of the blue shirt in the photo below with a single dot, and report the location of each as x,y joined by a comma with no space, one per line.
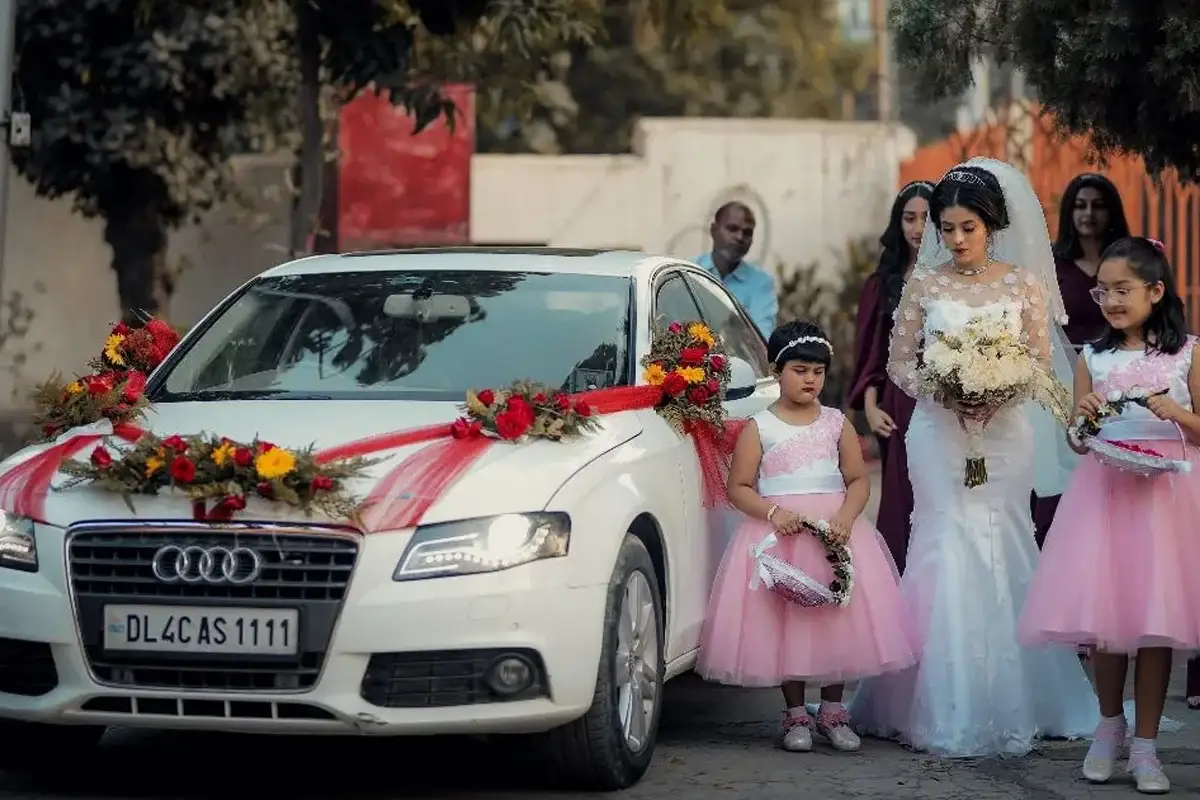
753,288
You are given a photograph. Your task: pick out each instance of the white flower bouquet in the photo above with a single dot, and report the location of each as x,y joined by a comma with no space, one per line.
980,370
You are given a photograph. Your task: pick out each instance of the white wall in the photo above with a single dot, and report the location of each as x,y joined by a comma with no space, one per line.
813,185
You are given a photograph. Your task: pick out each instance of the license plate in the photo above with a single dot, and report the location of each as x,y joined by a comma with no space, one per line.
210,631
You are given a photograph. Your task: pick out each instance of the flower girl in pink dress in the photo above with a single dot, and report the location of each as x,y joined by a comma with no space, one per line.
799,460
1120,562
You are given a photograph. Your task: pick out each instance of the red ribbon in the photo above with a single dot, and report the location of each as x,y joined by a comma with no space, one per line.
403,495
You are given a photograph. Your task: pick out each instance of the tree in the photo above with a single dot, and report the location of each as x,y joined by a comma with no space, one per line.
740,58
138,106
1121,72
137,109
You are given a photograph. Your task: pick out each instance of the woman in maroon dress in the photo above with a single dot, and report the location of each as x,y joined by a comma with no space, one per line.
1090,218
887,408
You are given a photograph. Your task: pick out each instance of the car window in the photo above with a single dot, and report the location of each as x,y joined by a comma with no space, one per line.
371,335
673,302
741,338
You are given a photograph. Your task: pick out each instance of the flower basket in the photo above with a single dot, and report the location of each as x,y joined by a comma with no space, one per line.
794,584
1136,459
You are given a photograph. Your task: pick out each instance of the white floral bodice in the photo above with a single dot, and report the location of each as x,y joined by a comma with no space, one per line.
1140,372
938,300
800,459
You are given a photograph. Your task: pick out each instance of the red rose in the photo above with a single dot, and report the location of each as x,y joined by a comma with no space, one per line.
539,399
699,395
265,489
265,447
234,502
716,362
487,397
243,457
675,327
692,356
182,469
120,329
713,385
322,483
674,384
583,409
97,384
101,458
510,426
135,385
463,428
519,406
175,443
562,401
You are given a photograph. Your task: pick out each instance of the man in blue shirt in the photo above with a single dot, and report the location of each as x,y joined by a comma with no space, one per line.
732,234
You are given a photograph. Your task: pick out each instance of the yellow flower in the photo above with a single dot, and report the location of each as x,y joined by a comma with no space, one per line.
222,454
153,465
275,463
655,374
698,331
691,374
74,387
112,349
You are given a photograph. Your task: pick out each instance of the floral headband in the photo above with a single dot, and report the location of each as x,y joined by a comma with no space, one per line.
804,340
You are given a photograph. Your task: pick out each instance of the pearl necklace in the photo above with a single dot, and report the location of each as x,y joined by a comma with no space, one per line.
971,272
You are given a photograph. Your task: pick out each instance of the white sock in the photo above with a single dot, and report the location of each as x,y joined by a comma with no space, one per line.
1143,747
1106,746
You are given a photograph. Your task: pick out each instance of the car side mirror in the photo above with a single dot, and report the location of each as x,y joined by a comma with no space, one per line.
742,380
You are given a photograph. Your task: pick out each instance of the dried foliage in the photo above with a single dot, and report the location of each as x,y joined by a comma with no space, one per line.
524,410
691,366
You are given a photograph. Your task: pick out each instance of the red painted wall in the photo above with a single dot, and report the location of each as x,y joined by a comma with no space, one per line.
395,189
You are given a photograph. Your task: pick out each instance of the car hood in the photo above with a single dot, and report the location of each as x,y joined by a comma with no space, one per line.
505,479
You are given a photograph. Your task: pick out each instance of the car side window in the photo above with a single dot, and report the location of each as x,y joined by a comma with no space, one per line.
673,302
722,315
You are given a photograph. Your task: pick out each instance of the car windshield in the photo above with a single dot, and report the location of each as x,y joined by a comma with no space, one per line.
419,335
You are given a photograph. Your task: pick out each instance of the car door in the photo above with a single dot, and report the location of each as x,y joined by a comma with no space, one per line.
691,559
742,339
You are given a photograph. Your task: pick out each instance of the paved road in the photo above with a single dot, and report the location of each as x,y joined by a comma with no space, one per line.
715,743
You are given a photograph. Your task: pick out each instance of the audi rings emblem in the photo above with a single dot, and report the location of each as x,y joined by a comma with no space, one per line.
194,564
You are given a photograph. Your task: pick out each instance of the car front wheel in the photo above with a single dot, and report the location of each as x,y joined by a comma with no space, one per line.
611,746
25,745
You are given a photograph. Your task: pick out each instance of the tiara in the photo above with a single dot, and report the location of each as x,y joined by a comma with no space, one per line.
962,176
804,340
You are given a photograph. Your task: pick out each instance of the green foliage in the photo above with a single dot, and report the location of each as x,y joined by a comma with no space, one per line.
1123,72
717,58
806,292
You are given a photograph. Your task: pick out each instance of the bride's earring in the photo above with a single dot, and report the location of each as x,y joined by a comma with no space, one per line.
991,247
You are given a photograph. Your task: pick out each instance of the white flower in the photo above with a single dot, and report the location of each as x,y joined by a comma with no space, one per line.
1114,396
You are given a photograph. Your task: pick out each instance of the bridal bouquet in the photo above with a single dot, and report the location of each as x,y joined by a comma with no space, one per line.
984,367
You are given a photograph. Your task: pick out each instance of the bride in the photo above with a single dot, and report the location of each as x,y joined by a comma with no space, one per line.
972,554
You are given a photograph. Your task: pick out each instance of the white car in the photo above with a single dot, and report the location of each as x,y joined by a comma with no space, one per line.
551,590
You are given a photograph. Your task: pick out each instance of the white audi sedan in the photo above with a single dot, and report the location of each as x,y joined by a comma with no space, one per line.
551,590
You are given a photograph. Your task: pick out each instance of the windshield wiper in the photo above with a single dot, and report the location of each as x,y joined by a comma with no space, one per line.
244,394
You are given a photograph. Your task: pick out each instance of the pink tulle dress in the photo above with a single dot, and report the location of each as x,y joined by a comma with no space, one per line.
752,636
1120,565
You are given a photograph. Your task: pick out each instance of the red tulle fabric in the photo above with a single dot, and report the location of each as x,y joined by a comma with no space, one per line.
403,495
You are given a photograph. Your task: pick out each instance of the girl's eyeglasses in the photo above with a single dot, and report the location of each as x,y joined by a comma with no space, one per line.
1102,295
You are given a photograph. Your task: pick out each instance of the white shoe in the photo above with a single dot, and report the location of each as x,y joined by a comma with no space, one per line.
1107,745
797,733
1148,772
835,726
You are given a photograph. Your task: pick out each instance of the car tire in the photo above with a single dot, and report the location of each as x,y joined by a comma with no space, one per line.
26,745
608,748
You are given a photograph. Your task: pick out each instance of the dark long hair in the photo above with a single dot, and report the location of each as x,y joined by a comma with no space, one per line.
1165,330
973,188
896,253
1067,244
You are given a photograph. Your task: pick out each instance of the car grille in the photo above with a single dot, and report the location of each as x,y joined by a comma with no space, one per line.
27,668
440,678
302,570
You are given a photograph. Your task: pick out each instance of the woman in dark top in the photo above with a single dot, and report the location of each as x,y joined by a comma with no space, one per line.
888,409
1090,218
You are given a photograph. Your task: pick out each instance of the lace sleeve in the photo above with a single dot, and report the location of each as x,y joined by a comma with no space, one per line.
1035,325
909,323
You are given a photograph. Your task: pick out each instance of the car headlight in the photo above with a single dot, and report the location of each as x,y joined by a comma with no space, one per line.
18,547
487,544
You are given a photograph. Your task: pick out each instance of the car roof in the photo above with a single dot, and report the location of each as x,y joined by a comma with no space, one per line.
616,263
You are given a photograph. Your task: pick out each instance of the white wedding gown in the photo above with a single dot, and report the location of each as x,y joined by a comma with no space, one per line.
975,691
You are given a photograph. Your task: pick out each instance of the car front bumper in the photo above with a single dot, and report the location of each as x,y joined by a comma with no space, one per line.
432,637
